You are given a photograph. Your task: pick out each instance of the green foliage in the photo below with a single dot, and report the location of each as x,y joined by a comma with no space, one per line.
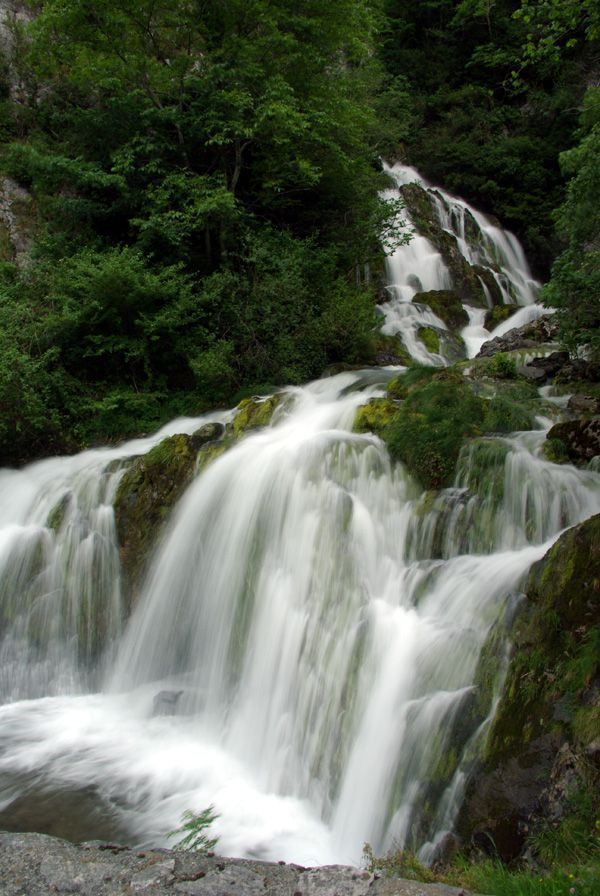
430,339
431,427
574,287
397,863
193,831
501,365
503,414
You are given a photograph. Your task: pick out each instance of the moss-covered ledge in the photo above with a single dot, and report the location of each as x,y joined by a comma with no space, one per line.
146,495
542,760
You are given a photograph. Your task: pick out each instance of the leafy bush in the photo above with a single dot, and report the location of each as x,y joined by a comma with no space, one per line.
501,365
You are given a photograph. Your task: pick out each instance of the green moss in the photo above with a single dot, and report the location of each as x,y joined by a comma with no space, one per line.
253,413
430,339
503,414
416,375
390,350
497,315
210,452
501,365
446,305
557,644
57,514
375,416
431,427
146,496
555,451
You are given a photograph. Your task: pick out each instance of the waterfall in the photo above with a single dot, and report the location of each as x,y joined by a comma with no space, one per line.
481,250
313,621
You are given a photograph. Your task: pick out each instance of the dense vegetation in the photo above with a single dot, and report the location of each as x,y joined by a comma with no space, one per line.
202,187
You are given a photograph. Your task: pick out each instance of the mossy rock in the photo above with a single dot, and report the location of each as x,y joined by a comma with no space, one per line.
390,350
550,702
57,515
494,293
431,427
417,375
146,496
375,416
580,439
430,338
497,315
465,277
254,413
452,347
446,305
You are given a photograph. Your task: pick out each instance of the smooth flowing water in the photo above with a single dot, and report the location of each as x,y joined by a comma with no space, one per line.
313,622
495,255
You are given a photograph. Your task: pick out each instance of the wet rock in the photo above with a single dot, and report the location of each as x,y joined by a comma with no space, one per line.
537,753
580,438
254,413
466,281
37,865
146,495
584,404
375,415
165,703
532,335
544,368
446,305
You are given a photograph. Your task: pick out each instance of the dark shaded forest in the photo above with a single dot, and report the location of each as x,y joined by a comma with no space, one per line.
198,184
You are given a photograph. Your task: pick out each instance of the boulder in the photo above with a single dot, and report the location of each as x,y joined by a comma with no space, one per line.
584,404
446,305
532,335
580,438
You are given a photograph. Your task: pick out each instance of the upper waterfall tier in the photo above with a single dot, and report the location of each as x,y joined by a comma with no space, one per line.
456,258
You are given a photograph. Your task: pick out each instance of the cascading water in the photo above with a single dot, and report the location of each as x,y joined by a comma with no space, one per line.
490,256
313,620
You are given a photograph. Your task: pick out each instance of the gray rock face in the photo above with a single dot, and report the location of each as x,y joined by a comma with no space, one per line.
35,865
543,330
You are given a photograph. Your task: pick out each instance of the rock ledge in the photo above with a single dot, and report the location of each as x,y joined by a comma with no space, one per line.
36,865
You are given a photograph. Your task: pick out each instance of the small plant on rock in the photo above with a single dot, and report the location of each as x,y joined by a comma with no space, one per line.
193,831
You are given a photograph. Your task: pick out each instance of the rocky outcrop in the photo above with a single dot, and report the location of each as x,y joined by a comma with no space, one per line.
37,865
580,439
466,282
542,752
545,329
446,305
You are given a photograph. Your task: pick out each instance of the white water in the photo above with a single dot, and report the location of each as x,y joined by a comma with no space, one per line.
419,267
325,652
322,619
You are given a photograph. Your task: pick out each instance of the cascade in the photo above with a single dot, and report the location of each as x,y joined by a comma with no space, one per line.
454,248
314,621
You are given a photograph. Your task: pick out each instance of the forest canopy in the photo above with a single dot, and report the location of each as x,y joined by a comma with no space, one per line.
204,185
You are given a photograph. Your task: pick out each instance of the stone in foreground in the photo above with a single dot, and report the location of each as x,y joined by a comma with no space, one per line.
35,865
